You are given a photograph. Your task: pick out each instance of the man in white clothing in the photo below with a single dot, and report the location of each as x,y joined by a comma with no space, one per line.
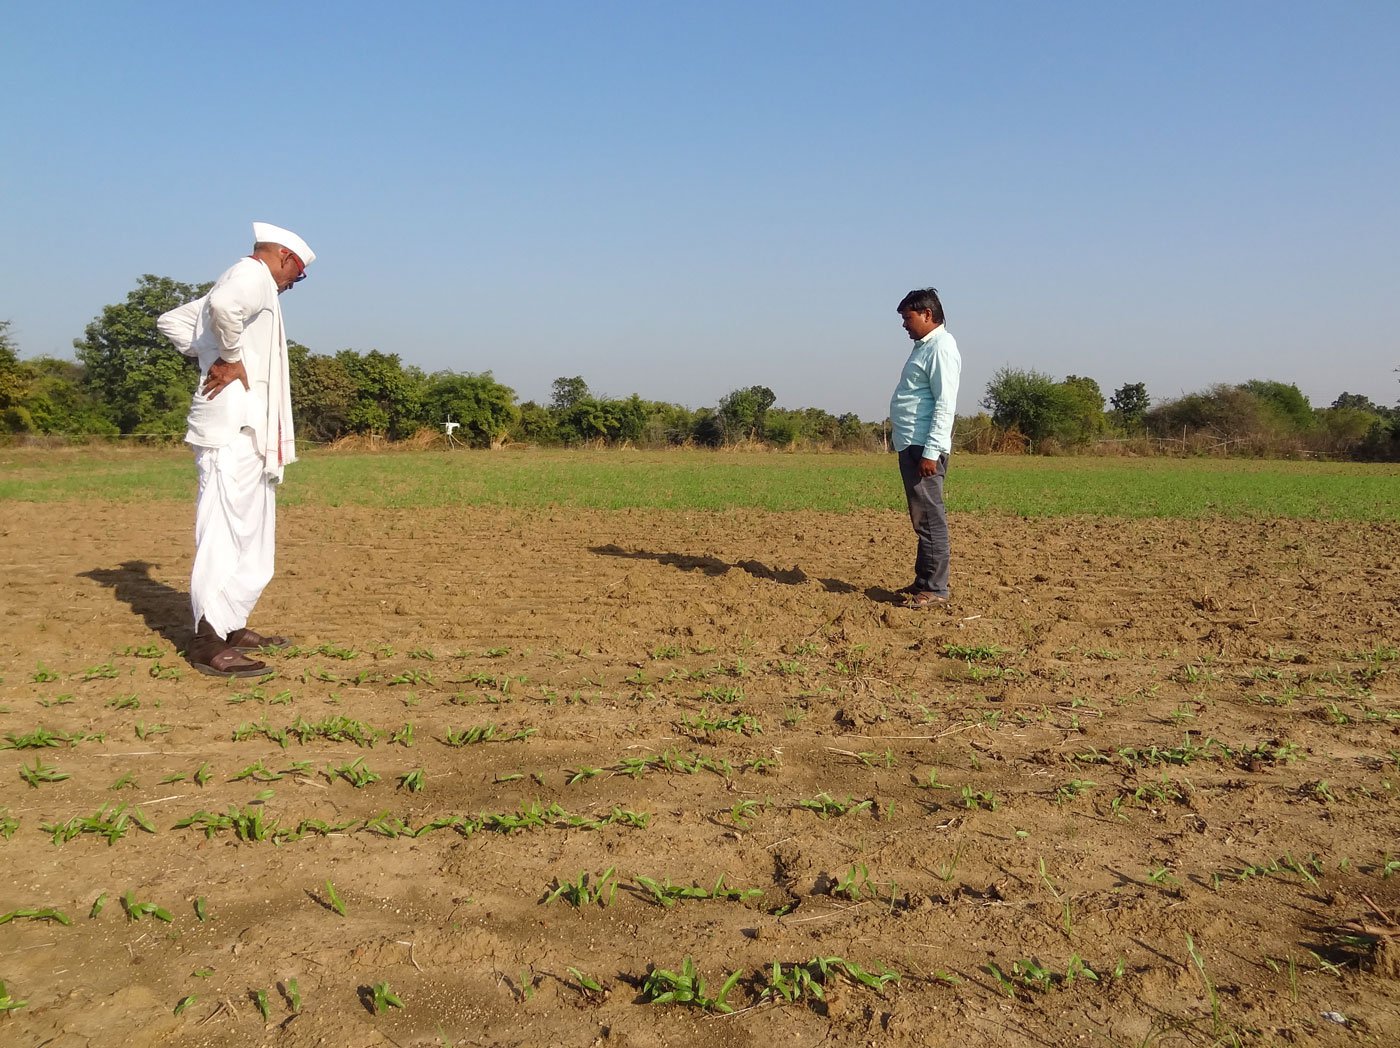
240,426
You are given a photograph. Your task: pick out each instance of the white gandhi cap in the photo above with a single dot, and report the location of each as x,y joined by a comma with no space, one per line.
266,233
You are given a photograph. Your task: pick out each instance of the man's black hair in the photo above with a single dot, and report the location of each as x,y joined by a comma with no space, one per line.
920,300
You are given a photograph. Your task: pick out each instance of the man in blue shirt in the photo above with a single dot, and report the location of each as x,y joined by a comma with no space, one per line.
921,421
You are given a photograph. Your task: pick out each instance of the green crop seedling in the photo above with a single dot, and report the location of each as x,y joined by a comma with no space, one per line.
809,979
136,910
975,799
667,894
590,988
8,1003
826,806
333,897
110,821
686,987
39,738
47,913
355,773
586,889
41,773
381,997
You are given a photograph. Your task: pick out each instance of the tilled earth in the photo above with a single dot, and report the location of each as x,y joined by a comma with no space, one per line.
1136,785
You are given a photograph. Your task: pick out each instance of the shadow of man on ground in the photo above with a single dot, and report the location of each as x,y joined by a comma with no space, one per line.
165,611
793,576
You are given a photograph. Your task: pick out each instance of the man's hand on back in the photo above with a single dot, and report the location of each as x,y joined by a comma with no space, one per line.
221,373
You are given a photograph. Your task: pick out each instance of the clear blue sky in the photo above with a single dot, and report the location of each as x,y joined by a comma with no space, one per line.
678,200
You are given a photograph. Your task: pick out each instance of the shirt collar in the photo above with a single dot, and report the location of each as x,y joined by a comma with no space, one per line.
930,335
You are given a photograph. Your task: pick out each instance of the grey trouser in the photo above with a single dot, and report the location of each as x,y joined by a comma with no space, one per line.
930,520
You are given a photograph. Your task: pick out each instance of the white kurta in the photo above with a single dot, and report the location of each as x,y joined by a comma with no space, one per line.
242,439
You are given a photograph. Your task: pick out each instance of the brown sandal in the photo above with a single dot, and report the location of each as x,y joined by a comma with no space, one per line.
229,662
251,640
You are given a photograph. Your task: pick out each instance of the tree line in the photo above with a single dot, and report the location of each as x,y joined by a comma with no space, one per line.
128,381
1029,410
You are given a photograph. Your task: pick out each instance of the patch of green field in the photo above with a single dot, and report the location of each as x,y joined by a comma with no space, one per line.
704,480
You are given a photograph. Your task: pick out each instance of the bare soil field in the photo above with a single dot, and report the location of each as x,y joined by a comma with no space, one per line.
1136,785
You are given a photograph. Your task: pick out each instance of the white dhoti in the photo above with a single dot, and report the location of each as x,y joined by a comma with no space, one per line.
234,533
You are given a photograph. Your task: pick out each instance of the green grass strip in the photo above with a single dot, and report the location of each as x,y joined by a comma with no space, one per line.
717,481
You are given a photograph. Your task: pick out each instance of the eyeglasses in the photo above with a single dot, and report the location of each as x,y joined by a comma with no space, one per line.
301,267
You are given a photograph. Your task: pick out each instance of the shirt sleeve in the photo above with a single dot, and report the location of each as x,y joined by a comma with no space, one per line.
179,325
945,368
233,303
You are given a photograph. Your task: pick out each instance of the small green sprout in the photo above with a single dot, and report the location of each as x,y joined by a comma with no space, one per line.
136,910
332,896
7,1003
41,773
381,997
47,913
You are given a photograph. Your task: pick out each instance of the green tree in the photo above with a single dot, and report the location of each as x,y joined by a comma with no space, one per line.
537,424
567,392
143,384
1223,412
667,425
742,411
485,409
1355,400
1083,418
707,429
1364,403
1342,431
1130,404
1285,402
1381,443
1030,402
853,433
785,428
606,419
801,426
388,397
12,382
55,401
323,394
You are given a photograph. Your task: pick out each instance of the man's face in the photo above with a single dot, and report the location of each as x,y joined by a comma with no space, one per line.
917,322
289,270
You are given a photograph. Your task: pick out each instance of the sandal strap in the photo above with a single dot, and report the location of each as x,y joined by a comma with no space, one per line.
250,640
231,660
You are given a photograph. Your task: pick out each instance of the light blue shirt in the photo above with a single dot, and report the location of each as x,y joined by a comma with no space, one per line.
921,410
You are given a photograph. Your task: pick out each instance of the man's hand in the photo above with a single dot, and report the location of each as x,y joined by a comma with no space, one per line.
221,373
928,467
